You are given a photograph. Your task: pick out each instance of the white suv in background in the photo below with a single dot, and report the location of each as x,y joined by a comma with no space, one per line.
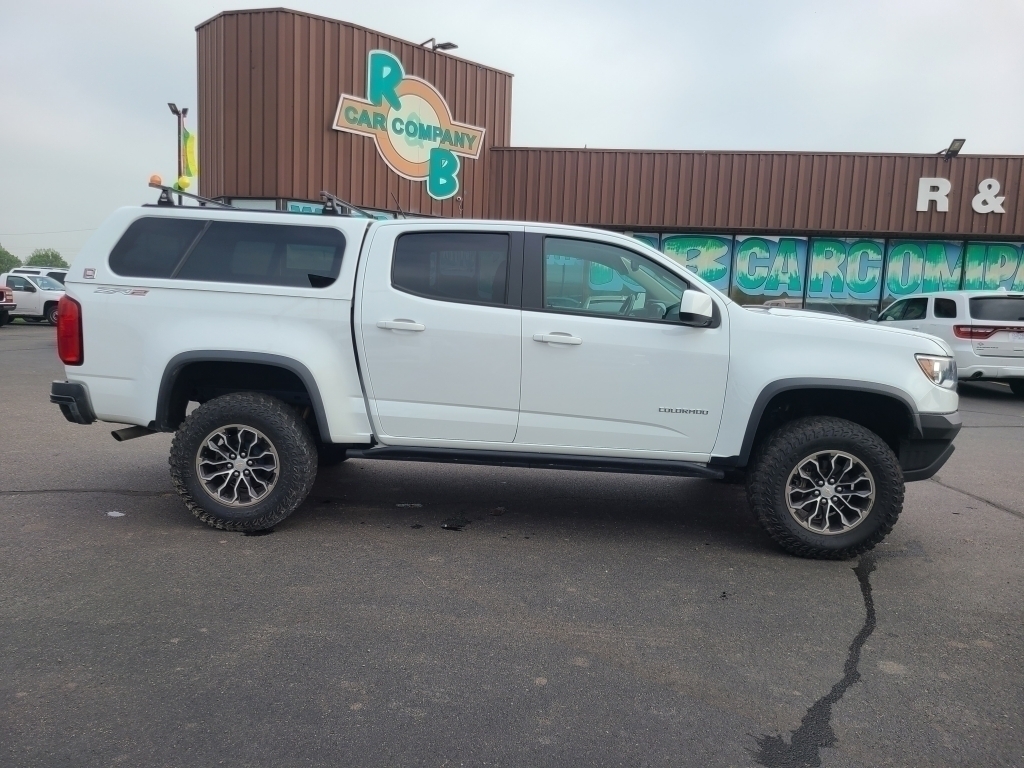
984,328
36,296
57,273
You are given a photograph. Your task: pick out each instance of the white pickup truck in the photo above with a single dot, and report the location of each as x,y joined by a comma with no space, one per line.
307,339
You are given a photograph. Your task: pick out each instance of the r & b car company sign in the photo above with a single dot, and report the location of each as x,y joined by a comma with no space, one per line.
411,124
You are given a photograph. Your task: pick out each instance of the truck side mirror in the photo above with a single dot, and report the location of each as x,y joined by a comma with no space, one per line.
696,309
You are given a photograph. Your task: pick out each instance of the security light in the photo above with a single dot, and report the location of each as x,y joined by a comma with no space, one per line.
436,46
954,149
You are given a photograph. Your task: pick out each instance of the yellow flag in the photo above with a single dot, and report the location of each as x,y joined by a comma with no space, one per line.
189,165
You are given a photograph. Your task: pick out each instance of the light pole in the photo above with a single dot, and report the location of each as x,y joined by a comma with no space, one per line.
181,114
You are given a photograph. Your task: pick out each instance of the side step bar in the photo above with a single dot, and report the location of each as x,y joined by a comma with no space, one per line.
539,461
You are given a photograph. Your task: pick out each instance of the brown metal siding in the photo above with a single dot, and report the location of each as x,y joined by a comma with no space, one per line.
740,191
269,83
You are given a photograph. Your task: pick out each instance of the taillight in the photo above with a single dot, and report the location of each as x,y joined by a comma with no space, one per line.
69,331
973,331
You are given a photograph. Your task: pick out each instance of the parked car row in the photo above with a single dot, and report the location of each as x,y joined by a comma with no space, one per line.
32,293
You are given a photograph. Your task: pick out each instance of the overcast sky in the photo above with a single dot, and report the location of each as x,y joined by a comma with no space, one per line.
84,85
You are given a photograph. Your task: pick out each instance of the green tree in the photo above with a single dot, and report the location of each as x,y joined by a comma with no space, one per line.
8,260
45,257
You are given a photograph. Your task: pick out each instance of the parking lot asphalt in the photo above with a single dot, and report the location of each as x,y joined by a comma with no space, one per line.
576,619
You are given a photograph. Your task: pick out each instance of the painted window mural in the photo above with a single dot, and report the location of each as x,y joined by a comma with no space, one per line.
769,271
991,266
922,266
852,276
845,276
708,256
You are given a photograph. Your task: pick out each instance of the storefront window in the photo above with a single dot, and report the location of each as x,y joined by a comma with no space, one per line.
770,271
922,266
991,266
707,256
845,276
652,239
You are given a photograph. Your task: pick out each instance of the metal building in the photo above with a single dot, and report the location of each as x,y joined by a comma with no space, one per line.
291,104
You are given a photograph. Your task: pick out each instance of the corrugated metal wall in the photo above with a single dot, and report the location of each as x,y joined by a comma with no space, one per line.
739,192
269,84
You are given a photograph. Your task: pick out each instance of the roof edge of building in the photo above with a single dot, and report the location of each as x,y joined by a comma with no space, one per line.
281,9
746,152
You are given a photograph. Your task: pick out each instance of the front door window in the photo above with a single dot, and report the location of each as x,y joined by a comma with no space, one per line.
606,281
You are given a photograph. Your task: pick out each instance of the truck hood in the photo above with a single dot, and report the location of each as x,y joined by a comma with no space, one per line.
870,333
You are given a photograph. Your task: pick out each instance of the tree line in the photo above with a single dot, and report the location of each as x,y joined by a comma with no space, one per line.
41,257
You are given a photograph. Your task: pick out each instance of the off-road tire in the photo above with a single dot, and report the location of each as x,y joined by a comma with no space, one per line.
1017,387
282,426
51,314
790,444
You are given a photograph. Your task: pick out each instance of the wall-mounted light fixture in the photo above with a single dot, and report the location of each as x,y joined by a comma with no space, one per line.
953,149
436,46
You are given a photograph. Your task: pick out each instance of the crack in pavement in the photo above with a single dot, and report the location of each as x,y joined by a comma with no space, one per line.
804,747
982,499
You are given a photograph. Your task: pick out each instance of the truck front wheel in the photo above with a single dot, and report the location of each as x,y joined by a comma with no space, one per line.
243,462
826,488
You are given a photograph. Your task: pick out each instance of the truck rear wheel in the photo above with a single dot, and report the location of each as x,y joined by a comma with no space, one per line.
243,462
826,488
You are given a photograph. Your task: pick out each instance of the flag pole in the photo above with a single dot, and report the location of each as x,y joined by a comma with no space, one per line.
180,114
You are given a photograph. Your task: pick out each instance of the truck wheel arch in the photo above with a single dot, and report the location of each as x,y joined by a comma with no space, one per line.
774,389
165,420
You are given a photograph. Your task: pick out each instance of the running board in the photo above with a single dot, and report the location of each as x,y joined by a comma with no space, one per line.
539,461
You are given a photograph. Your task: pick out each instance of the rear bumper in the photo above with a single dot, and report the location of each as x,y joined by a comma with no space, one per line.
922,457
73,399
7,307
989,367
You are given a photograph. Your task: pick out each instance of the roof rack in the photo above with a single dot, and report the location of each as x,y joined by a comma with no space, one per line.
167,195
333,205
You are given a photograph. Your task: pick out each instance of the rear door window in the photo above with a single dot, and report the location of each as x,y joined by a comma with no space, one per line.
945,308
468,267
153,247
1009,309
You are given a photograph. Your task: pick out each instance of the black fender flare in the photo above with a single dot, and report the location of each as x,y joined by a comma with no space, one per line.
177,363
784,385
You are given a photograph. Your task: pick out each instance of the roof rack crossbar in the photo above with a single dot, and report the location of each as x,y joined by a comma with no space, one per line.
333,205
166,196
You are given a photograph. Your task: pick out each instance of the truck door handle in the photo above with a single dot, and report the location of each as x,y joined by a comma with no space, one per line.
400,325
557,338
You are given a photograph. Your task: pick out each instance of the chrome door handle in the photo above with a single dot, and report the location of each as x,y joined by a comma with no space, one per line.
557,338
400,325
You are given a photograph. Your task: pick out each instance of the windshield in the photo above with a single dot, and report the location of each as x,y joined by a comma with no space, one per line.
46,283
998,308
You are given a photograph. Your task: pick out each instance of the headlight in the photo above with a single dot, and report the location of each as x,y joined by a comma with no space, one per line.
941,370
